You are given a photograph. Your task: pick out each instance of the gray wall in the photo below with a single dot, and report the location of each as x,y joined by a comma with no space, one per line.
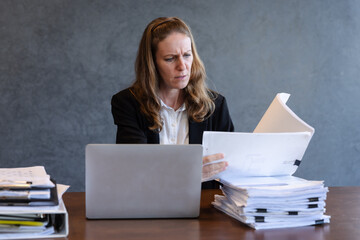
61,61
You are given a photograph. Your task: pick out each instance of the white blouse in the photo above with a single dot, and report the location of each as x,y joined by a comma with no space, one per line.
175,125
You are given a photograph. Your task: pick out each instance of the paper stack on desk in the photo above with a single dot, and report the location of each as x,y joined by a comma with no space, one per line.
293,202
258,186
27,187
31,205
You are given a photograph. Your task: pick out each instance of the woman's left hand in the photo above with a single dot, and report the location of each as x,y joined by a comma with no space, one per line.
211,169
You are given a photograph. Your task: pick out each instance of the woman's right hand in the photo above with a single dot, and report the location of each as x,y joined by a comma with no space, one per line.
210,169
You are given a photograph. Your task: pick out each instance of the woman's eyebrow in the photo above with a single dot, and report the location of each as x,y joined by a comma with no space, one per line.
175,54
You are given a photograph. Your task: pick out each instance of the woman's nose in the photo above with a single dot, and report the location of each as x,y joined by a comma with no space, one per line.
181,63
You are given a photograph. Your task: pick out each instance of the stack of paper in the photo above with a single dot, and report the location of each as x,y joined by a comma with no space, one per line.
285,202
257,185
26,186
31,204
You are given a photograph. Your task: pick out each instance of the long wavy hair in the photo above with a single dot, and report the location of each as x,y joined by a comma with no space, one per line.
199,100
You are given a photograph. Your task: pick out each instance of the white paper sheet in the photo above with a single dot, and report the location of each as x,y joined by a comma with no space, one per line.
279,139
257,154
280,118
36,175
38,194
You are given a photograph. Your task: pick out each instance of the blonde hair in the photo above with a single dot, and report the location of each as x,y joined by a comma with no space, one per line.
197,97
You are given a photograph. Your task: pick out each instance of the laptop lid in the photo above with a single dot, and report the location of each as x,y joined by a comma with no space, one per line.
142,180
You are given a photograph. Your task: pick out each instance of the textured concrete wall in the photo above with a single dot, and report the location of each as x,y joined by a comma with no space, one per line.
61,61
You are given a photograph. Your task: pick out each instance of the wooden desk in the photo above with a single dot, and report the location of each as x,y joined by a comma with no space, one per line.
343,204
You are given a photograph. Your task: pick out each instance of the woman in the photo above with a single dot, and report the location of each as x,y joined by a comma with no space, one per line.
169,102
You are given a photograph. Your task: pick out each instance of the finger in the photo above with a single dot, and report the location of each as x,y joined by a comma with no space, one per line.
213,157
213,169
210,174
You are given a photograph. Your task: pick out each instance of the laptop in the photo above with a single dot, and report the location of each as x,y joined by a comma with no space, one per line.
142,181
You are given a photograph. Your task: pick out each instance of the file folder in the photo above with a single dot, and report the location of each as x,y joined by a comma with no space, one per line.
26,200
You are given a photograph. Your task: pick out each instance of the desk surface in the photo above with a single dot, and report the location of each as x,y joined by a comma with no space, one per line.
343,204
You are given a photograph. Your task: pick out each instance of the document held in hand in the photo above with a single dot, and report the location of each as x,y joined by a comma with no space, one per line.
275,148
258,187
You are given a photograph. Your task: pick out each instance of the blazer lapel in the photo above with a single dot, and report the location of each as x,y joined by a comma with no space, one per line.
196,130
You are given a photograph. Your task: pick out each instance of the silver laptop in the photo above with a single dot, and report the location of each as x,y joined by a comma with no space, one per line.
142,181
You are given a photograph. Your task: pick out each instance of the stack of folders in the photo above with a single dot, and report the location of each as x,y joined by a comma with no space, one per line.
258,186
31,204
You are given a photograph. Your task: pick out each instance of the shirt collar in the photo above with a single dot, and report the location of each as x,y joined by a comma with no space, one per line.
181,108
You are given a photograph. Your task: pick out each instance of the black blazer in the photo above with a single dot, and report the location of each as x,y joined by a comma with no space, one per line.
133,127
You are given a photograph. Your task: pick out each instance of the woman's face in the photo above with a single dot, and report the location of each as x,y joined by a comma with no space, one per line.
173,60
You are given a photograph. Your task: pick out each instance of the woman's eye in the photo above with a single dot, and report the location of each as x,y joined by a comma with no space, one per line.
187,55
169,59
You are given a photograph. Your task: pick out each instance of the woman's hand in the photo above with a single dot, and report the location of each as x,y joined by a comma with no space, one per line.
211,169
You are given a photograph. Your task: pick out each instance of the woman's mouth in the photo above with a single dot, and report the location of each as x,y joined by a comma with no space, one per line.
181,77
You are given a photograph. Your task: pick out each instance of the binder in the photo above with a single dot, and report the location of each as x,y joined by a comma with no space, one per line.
58,215
31,204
